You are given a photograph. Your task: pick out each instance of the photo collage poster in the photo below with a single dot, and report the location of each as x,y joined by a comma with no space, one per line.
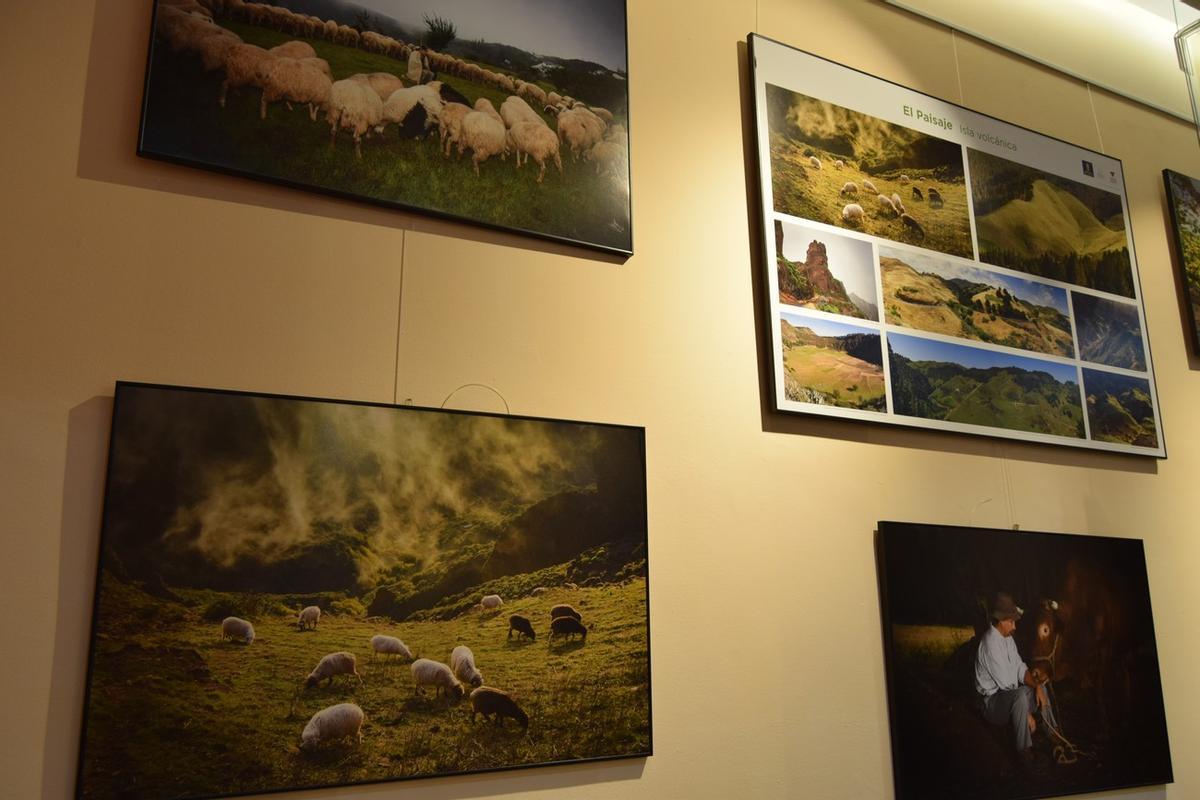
934,267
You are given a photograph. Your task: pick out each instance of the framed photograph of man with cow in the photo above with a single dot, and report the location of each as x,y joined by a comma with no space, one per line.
1019,665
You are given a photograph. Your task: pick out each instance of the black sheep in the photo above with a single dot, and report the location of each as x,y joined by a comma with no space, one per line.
496,705
522,626
568,627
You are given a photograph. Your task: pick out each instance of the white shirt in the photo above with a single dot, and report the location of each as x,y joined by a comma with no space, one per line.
998,666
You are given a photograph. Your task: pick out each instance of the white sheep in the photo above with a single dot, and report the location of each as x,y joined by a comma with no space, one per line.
491,601
331,665
485,105
293,81
450,126
242,64
293,49
236,628
309,617
401,102
837,162
484,134
538,591
514,110
389,646
355,107
414,66
214,49
427,672
602,113
815,162
898,203
849,188
870,187
580,130
903,179
887,206
852,213
331,724
537,140
610,157
462,661
382,83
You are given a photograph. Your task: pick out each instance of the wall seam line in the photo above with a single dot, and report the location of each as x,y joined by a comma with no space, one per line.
399,317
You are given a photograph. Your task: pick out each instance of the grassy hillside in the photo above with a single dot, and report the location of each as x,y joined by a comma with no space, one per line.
833,370
970,310
177,712
1187,230
184,120
1120,409
1109,332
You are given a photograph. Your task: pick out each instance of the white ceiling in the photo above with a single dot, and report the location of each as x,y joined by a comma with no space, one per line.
1125,46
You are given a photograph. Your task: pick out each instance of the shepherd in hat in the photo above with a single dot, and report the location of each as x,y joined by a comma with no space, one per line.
1009,691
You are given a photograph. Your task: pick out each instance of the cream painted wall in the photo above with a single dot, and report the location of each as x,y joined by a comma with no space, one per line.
768,674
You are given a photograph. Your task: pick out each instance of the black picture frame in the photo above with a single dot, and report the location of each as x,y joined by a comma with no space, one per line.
940,588
1183,204
393,521
975,313
188,117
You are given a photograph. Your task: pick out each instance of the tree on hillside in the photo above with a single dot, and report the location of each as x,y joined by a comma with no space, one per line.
439,32
364,21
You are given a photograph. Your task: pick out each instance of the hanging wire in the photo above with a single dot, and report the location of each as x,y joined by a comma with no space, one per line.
491,389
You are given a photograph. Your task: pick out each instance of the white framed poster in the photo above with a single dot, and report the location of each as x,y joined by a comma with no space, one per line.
930,266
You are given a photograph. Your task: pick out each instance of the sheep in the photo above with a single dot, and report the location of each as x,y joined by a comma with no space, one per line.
236,628
294,82
496,705
485,106
912,224
331,724
570,586
414,66
214,49
382,83
319,64
815,162
537,140
898,203
917,193
427,672
538,591
568,627
293,49
852,213
887,206
355,107
389,646
450,125
242,63
522,626
514,110
309,617
935,197
837,162
602,113
610,157
564,610
331,665
486,136
870,187
849,188
491,601
476,609
462,661
401,103
903,179
580,129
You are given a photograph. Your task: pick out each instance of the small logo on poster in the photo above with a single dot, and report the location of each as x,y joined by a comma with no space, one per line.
1088,169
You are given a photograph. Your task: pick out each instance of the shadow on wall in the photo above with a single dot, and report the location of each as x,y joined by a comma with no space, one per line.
109,135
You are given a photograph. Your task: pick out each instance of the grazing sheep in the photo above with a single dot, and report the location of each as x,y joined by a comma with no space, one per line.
538,591
309,617
485,105
462,661
839,163
514,110
242,63
382,83
898,203
852,213
401,103
486,136
236,628
331,665
903,179
427,672
580,130
870,187
293,81
913,225
564,610
917,193
849,188
320,65
537,140
355,107
568,627
491,601
816,162
935,197
610,157
522,626
390,646
214,49
496,705
293,50
571,586
450,126
602,113
331,724
887,206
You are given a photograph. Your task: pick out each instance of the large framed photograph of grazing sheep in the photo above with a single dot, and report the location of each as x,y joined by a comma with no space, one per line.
511,115
1183,200
297,593
1019,665
929,266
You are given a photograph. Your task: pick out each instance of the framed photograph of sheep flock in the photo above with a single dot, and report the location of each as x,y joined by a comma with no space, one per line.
297,593
929,266
1020,665
512,115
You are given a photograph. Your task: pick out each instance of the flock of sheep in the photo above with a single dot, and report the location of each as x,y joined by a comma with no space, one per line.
889,207
344,720
368,103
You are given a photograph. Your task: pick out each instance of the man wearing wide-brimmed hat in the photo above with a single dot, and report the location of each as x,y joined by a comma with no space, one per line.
1008,690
